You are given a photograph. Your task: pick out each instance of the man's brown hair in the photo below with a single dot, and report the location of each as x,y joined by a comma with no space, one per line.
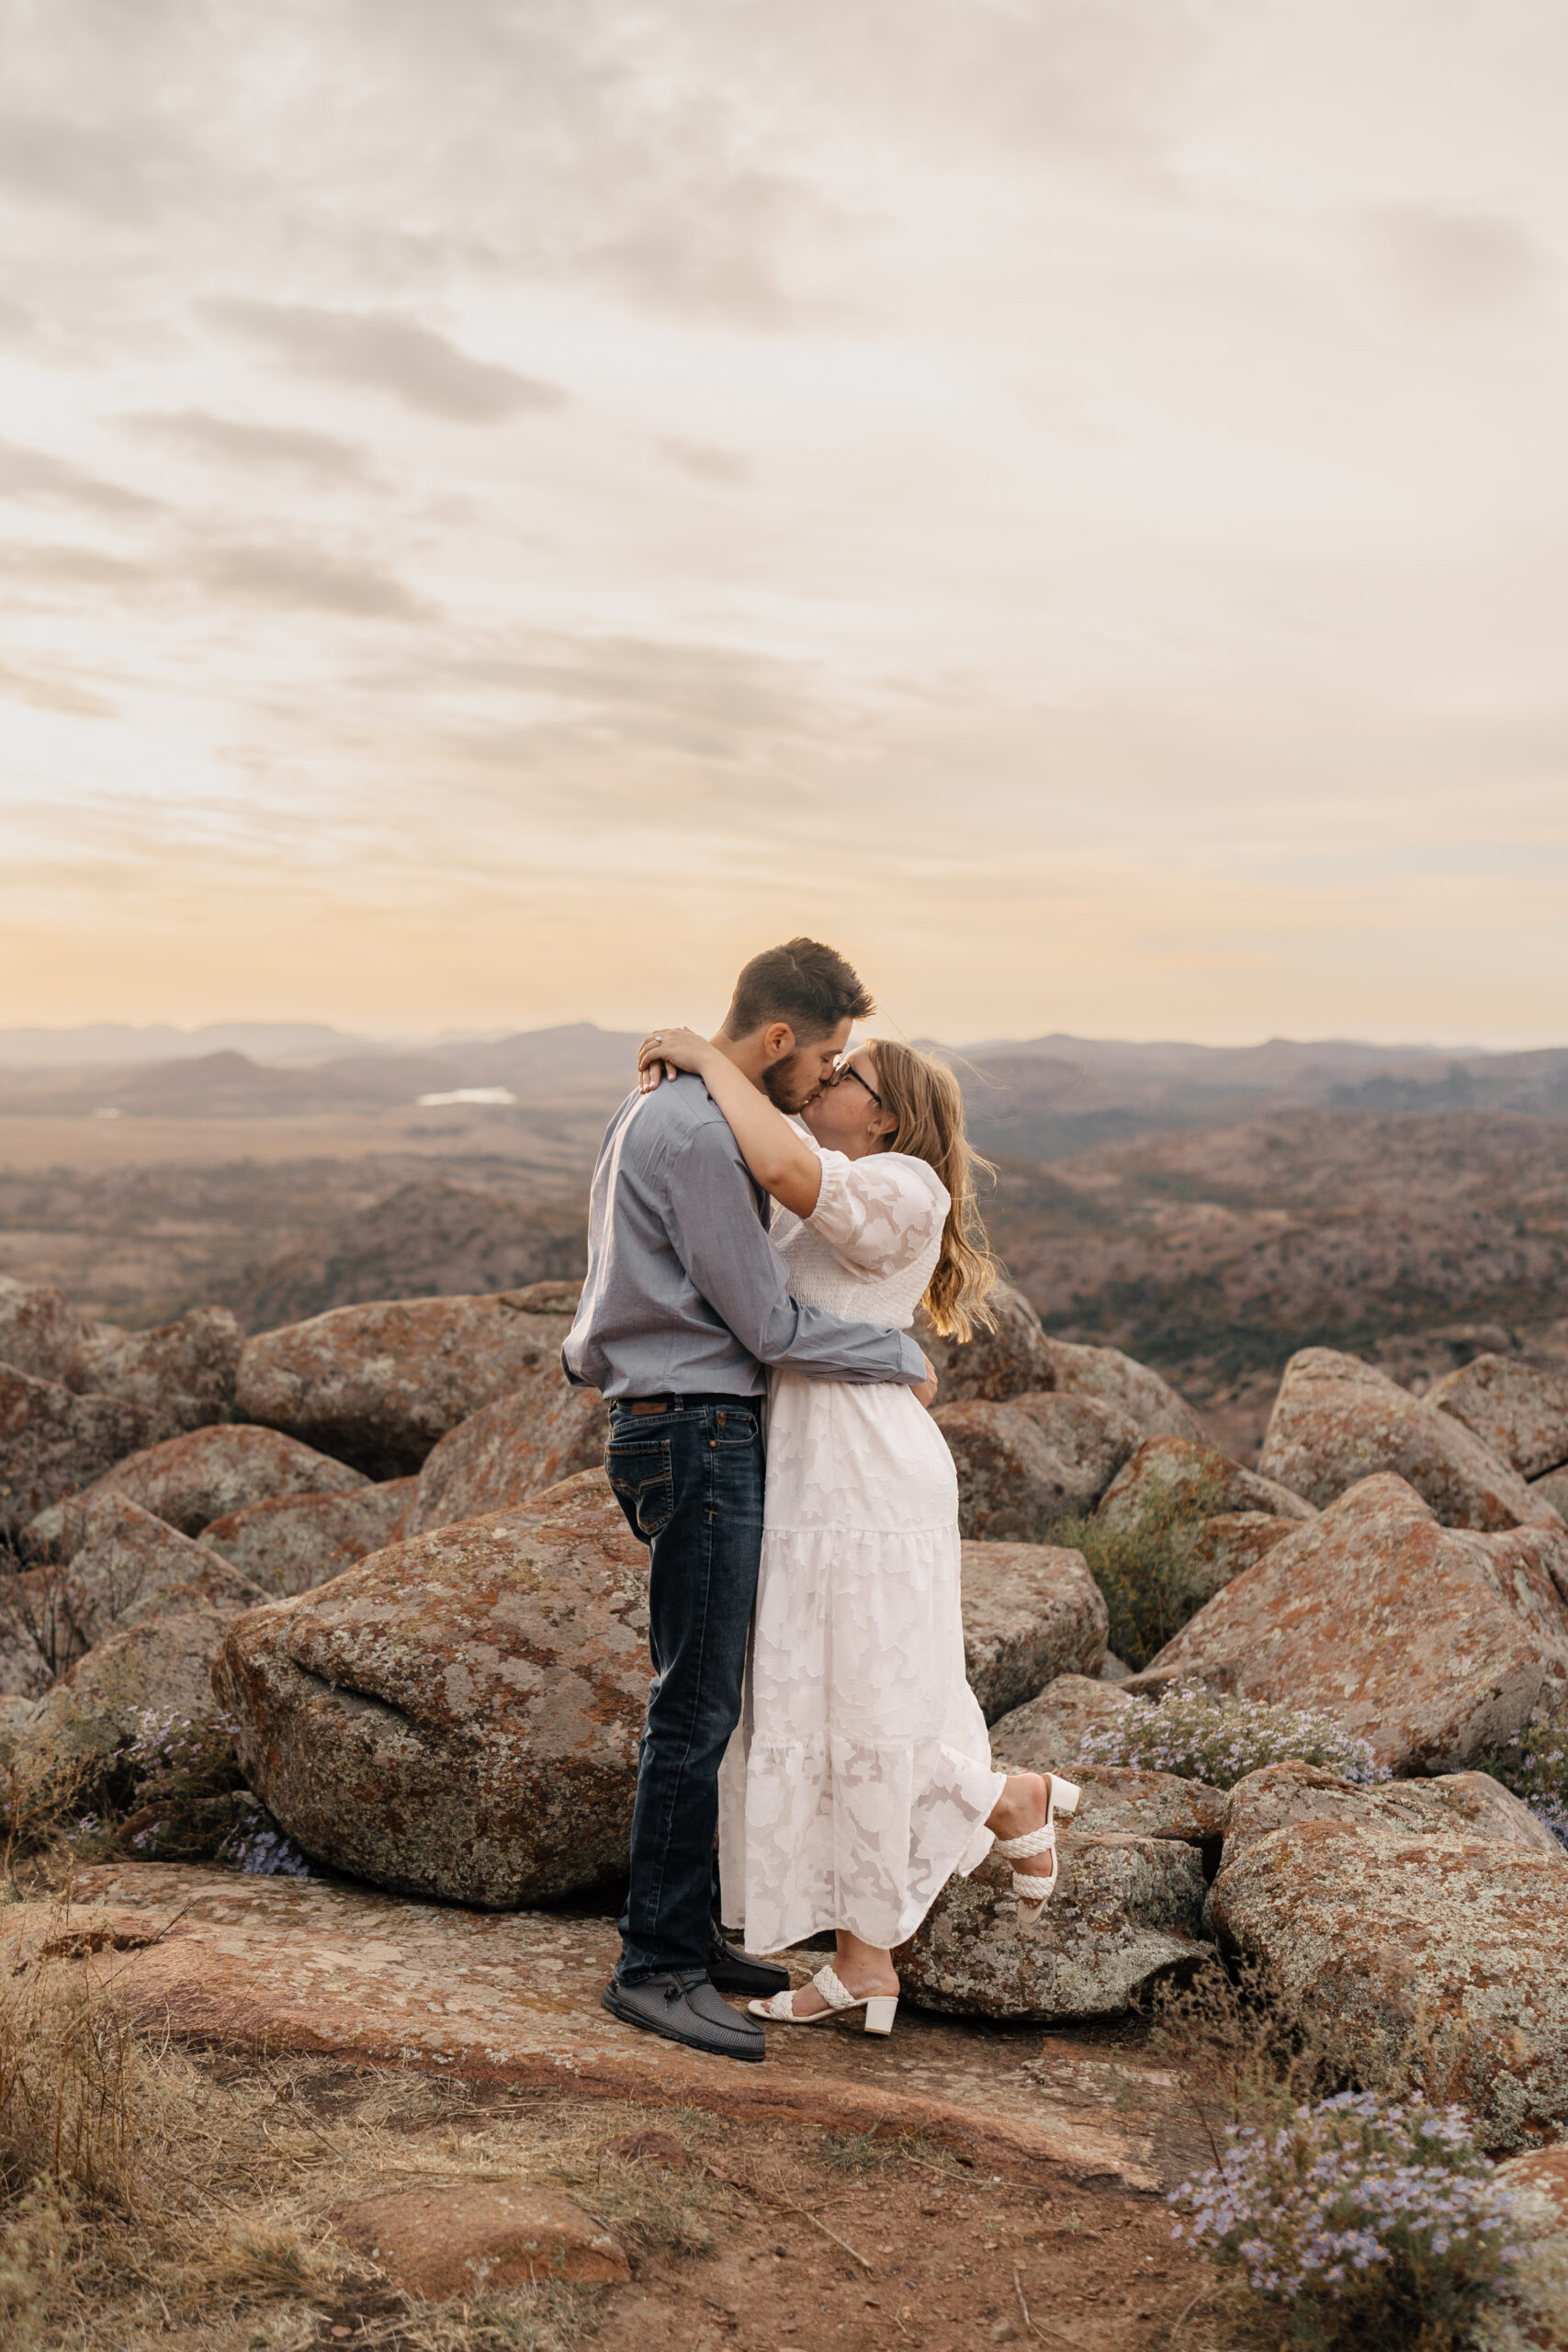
808,985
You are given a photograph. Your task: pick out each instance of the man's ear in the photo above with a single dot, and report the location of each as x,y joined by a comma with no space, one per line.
778,1039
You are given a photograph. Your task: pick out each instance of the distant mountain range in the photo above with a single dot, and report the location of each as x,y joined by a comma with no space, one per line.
1044,1099
102,1044
1055,1096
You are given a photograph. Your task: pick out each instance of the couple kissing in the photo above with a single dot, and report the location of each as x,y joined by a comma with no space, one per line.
770,1208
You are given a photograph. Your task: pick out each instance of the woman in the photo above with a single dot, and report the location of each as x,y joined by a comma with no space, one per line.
860,1778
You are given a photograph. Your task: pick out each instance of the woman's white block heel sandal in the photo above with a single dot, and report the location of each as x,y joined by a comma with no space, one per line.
1033,1889
880,2008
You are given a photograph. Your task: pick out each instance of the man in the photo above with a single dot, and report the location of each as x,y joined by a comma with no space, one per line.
684,1307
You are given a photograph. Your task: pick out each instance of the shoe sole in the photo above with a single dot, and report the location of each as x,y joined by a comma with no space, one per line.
708,2049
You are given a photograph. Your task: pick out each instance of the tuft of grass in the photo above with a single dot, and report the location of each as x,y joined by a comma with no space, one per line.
69,2066
1147,1569
855,2151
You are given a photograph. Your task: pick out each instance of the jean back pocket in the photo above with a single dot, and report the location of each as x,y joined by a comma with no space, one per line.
643,1485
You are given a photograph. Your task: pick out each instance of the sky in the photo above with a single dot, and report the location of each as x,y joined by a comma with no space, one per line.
506,507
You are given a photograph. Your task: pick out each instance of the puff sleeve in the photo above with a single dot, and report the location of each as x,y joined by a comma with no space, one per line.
879,1214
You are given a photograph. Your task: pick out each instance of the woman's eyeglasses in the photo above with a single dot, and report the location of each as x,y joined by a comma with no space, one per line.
847,1070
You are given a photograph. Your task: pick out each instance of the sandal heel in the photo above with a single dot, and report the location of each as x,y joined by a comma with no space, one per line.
1064,1795
880,2012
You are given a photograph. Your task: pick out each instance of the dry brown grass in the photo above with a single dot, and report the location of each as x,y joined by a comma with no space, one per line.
149,2196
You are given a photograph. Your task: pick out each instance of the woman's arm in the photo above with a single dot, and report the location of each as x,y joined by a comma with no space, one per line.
781,1164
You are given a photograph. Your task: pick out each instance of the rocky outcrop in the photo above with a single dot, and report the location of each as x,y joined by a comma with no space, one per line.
163,1665
53,1441
1044,1734
1434,1954
1173,1477
1117,1379
1089,1436
1127,1913
460,1716
1337,1420
1530,2315
1020,1469
1228,1545
1031,1613
1124,1800
1553,1490
178,1376
546,1431
1432,1643
1520,1413
1457,1804
191,1481
440,2241
40,1332
1011,1361
292,1543
380,1386
125,1568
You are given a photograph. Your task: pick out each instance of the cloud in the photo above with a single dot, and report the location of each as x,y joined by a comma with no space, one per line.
1452,259
306,579
108,169
705,462
59,565
37,476
230,441
47,689
18,323
392,353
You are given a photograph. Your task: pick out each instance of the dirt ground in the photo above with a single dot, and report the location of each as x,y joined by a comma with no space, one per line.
816,2238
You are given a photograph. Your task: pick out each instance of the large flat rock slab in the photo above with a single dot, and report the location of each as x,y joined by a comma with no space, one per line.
343,1970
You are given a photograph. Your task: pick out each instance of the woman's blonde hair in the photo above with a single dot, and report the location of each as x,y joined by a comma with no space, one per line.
923,1097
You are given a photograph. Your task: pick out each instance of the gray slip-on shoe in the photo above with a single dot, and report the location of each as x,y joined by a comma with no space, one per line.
732,1971
683,2006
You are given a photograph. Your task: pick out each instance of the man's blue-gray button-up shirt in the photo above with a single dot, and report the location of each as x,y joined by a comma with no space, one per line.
686,1293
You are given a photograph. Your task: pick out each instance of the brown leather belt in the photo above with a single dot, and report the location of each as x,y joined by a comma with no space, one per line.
678,1404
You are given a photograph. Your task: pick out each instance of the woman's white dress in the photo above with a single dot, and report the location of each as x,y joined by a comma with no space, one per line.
860,1777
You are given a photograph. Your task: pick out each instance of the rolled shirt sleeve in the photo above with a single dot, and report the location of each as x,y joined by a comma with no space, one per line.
734,1266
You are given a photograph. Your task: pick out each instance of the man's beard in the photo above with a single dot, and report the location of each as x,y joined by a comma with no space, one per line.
783,1086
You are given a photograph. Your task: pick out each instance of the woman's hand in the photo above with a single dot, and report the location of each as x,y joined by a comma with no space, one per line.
926,1393
664,1052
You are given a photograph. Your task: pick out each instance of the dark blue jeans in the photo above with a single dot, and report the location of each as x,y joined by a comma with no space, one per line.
689,1482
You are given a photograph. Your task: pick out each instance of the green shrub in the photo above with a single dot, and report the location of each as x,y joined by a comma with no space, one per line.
1146,1570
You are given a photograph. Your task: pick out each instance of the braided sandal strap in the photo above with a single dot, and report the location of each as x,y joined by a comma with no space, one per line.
1034,1841
782,2004
1035,1887
833,1991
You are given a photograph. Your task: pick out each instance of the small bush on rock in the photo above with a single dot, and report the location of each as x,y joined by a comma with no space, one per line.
1533,1763
1221,1740
1357,2221
1145,1570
